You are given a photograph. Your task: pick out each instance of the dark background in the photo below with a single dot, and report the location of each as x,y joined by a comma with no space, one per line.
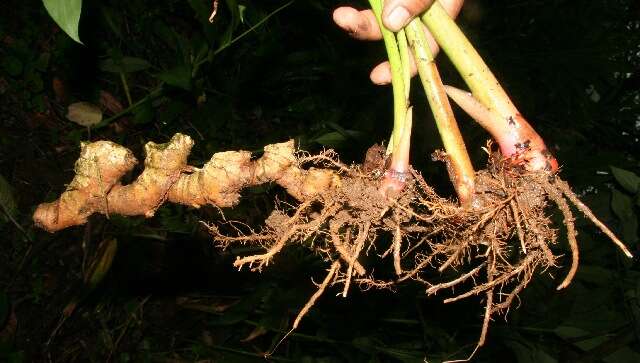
572,67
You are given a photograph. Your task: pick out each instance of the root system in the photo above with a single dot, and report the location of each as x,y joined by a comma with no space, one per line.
491,248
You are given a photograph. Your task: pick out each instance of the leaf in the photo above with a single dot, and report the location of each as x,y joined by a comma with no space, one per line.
622,206
66,13
110,103
565,331
332,139
257,332
12,65
629,180
179,76
143,114
241,11
527,352
171,111
101,263
337,139
596,275
112,19
624,354
124,64
7,201
33,81
42,62
84,113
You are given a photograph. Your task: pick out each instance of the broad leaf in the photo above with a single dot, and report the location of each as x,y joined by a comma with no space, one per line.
331,139
528,352
66,13
101,263
179,76
125,65
337,139
622,206
144,113
627,179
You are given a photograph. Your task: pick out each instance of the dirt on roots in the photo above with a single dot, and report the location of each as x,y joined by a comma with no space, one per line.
493,248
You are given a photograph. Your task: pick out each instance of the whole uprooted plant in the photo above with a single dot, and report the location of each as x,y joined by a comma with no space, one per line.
492,239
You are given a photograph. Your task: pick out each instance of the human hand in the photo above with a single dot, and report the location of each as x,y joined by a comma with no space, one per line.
362,24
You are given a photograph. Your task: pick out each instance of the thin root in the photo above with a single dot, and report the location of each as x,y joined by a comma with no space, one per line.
571,234
305,309
566,190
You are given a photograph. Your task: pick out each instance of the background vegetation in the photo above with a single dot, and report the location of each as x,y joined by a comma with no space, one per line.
254,77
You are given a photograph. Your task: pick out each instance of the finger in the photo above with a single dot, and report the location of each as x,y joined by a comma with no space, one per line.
381,74
359,24
397,13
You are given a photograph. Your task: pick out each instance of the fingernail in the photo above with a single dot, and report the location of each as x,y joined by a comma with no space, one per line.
398,18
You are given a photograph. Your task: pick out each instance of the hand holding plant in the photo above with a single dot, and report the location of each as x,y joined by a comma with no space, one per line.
362,24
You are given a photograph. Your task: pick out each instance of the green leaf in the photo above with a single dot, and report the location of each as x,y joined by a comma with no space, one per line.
201,9
124,64
566,332
332,139
37,103
33,81
12,65
624,354
627,179
596,275
622,206
337,139
42,62
144,113
179,76
7,201
172,111
528,352
66,13
101,263
113,19
241,10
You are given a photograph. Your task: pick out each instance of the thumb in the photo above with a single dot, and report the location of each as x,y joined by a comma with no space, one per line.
397,13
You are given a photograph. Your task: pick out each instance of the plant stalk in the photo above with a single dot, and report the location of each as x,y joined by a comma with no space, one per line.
459,164
400,94
481,81
516,137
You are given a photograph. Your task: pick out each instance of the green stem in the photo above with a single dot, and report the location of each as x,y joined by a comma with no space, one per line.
224,46
459,164
516,137
472,68
151,96
397,81
125,85
405,60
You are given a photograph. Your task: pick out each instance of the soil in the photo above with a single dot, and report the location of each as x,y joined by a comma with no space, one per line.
494,247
